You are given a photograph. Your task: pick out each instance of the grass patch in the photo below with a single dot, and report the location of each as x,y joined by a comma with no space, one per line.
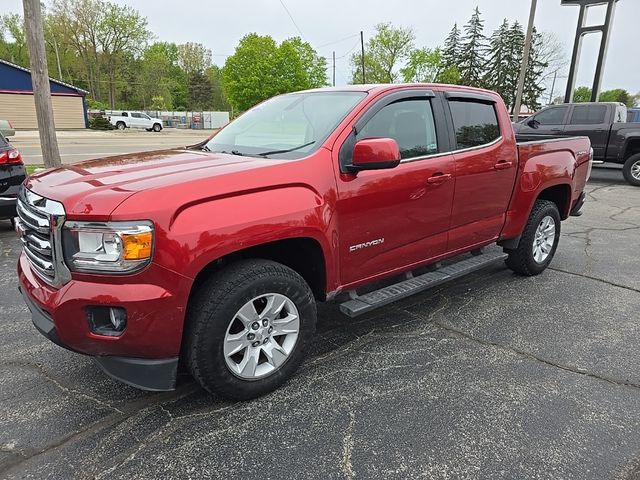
32,168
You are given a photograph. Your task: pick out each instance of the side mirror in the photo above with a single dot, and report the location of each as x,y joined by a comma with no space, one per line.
375,154
533,123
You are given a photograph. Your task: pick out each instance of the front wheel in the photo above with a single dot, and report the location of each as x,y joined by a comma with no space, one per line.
631,170
157,127
247,328
539,240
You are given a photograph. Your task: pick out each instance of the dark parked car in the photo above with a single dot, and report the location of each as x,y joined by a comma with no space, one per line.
12,174
613,138
633,115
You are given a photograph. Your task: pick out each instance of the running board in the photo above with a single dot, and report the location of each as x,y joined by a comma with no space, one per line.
360,304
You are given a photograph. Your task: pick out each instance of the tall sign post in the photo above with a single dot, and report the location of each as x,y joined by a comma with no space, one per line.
583,30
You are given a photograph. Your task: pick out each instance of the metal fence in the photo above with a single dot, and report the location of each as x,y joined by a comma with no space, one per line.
187,120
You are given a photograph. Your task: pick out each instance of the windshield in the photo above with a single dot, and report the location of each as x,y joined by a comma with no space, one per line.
289,126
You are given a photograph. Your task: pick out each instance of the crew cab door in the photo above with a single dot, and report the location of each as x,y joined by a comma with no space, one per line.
591,120
394,218
136,120
550,121
485,168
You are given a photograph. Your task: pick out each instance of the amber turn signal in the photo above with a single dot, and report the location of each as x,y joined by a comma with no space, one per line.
137,246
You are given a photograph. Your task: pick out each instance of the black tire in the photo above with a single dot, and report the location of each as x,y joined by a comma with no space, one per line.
631,167
212,309
121,125
521,260
157,127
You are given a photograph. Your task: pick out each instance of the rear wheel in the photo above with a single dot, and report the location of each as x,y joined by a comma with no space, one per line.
539,240
120,126
247,328
631,170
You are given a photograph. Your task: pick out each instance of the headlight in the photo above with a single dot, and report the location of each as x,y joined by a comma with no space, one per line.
112,247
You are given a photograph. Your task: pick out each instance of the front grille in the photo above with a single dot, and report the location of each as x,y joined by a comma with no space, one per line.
39,226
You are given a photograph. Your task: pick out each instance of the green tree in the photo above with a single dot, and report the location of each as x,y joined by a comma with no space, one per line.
194,57
219,101
385,51
200,91
423,65
259,69
500,74
582,94
618,95
472,52
451,48
12,26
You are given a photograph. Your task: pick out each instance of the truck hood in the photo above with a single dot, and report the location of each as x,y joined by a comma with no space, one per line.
96,187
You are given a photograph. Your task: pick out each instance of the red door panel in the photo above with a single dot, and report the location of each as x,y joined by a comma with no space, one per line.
393,218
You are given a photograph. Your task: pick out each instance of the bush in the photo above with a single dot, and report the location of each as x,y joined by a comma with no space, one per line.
100,123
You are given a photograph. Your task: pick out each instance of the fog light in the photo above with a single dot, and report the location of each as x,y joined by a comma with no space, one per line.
110,321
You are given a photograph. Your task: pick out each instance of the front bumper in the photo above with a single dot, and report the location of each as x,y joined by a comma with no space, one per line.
7,206
146,354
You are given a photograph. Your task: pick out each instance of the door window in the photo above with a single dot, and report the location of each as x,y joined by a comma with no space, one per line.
475,123
588,114
551,116
408,122
136,115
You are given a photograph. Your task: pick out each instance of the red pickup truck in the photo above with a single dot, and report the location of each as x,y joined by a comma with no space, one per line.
213,256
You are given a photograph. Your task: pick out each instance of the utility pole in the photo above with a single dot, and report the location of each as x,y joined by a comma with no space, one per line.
553,86
525,61
364,80
334,68
40,82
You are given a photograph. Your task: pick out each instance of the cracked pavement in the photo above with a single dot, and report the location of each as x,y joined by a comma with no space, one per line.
491,376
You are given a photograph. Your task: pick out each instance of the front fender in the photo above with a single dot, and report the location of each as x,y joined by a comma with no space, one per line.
207,230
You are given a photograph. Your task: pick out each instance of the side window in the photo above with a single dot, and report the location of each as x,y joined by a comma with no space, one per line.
408,122
588,114
475,123
136,115
125,114
551,116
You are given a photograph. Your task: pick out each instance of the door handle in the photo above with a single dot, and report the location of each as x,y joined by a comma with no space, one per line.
503,165
556,130
437,178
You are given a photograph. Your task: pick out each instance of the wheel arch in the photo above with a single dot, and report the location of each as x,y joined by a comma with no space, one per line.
304,255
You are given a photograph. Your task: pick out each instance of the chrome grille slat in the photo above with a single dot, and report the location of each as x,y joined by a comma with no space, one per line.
39,225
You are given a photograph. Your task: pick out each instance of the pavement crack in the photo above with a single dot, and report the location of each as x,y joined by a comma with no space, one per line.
613,284
537,358
70,391
347,448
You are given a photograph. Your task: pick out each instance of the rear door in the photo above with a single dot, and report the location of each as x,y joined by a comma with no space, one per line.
391,219
485,169
591,120
550,121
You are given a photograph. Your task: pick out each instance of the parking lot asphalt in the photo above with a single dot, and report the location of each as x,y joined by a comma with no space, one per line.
493,376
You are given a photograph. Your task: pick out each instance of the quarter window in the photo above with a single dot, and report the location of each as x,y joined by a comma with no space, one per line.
551,116
475,123
588,114
408,122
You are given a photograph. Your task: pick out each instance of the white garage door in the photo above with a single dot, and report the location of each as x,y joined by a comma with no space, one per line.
20,110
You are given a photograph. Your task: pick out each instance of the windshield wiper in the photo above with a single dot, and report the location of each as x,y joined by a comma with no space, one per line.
286,150
205,148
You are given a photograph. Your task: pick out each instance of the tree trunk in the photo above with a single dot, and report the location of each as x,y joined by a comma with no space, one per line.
40,82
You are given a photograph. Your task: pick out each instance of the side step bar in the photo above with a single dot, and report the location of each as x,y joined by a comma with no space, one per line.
360,304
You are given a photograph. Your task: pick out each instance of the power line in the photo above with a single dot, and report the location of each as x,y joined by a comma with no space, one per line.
291,17
338,41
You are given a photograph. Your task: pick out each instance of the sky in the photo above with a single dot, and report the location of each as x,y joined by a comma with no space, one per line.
334,25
